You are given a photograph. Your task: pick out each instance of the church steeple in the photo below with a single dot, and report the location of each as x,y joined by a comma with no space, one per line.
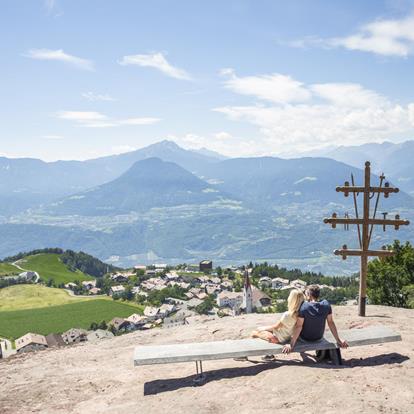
247,293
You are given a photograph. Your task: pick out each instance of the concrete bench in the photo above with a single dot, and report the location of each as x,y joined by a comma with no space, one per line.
205,351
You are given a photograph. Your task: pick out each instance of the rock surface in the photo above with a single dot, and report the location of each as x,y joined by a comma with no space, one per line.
100,378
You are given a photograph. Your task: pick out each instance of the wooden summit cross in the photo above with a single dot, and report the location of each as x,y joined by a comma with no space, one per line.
367,224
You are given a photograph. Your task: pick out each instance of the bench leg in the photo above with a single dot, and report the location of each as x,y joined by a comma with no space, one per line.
200,377
335,355
321,355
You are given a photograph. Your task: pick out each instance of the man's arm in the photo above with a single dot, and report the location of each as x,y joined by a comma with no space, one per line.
295,335
332,327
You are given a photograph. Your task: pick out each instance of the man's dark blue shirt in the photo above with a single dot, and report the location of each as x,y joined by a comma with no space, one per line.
314,315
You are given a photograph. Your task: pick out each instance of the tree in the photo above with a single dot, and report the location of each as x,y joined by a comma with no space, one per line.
205,307
389,279
102,325
127,294
237,284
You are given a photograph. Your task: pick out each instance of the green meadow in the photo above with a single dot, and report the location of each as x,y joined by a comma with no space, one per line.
49,266
58,319
19,297
8,269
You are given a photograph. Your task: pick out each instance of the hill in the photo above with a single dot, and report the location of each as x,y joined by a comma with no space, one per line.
242,209
147,184
8,269
28,182
395,160
59,318
270,181
96,378
21,297
50,267
35,308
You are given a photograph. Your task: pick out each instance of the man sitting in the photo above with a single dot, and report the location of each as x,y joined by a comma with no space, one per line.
310,325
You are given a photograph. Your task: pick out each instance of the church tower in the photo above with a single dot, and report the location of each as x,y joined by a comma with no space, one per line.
247,293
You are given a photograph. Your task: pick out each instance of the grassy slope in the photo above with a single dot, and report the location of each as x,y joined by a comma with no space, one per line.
19,297
8,269
58,319
49,266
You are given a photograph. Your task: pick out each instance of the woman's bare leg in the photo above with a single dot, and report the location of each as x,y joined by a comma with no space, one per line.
265,335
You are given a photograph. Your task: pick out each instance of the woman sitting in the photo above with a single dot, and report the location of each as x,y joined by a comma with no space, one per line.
281,331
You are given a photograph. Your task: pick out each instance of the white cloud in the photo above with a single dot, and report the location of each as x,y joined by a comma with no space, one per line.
139,121
53,137
81,116
156,61
120,149
334,114
384,37
94,97
230,146
276,87
391,37
61,56
92,119
348,94
222,135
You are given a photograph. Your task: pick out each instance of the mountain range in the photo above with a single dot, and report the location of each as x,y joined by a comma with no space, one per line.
395,160
167,203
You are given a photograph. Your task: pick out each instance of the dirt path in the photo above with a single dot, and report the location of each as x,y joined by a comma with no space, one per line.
100,378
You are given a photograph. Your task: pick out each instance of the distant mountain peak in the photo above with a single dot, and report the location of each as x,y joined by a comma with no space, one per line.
165,144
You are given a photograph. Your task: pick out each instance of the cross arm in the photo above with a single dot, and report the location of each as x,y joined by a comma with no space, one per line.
359,189
344,252
387,222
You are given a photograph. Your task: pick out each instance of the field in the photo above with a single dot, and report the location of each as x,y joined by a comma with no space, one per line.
39,309
58,319
8,269
19,297
49,266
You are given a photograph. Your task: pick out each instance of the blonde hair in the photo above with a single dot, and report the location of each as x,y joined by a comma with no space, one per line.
295,300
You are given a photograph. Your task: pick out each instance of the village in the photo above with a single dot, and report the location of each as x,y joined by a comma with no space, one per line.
200,289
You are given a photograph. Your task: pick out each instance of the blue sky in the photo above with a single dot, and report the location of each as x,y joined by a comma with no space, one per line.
81,79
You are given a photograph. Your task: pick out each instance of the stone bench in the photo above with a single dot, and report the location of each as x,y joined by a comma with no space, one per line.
206,351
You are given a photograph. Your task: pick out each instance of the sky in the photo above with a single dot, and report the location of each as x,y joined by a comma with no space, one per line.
82,79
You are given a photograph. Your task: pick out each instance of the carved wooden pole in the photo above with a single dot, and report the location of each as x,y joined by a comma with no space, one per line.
366,221
365,243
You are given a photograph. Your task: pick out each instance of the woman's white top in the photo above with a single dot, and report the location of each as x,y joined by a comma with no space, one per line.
285,331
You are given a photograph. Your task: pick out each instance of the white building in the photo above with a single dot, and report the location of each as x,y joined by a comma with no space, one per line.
279,283
89,284
75,335
259,298
166,309
298,284
230,299
119,277
137,320
31,342
227,284
265,281
180,318
116,290
95,336
151,313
